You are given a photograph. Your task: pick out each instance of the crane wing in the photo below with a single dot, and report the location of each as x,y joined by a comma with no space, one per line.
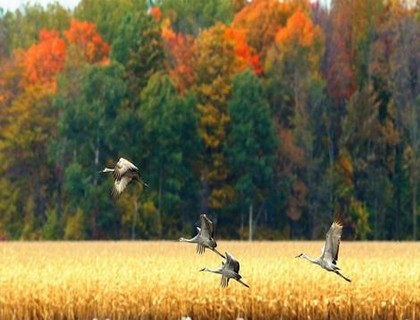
207,230
332,242
232,263
225,281
200,248
122,167
120,185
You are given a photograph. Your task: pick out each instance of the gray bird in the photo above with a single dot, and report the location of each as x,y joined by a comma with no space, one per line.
205,237
124,173
228,270
329,256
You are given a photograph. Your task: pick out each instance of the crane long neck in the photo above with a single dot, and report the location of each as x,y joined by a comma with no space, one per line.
212,270
193,240
304,256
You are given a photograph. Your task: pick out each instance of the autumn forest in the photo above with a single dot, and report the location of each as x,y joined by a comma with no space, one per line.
273,117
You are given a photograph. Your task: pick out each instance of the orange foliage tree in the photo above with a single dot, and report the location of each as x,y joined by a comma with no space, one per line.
85,36
156,13
294,62
46,58
214,64
301,39
242,50
261,19
29,119
340,74
293,72
179,53
220,53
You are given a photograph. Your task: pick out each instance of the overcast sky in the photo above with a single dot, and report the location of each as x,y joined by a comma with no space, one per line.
15,4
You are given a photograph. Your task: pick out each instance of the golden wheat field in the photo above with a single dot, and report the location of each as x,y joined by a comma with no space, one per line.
161,280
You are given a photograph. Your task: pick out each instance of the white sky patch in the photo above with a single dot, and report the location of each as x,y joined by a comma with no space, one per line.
12,5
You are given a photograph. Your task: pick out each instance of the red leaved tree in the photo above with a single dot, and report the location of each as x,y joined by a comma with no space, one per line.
179,52
340,74
261,20
156,13
85,36
46,58
242,50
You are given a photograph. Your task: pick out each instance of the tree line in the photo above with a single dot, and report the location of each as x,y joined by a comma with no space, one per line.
271,117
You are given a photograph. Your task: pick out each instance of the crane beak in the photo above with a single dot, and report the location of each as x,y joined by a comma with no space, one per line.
202,269
298,256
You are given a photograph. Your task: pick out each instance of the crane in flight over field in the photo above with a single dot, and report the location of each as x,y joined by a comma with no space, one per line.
124,172
228,270
329,256
205,237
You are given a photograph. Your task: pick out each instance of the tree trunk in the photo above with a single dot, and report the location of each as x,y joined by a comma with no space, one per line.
160,192
95,210
330,158
96,160
414,175
160,201
250,223
133,225
242,225
414,209
205,191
